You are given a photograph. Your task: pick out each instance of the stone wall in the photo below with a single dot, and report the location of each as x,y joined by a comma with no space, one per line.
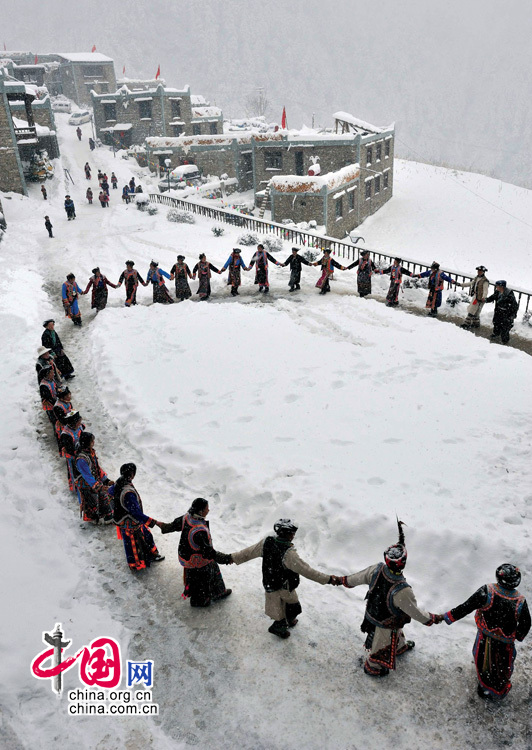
11,175
374,175
340,226
298,207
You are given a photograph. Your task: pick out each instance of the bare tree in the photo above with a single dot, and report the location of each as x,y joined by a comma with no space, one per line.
257,103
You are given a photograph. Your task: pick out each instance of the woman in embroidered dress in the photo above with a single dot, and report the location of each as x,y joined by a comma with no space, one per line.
328,265
203,269
179,272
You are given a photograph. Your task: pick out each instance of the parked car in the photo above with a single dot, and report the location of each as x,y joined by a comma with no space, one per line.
78,118
180,178
61,104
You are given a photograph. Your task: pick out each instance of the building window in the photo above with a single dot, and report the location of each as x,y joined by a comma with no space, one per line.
90,71
213,128
176,109
109,111
196,129
247,161
351,200
377,184
339,208
178,130
369,155
368,189
387,149
385,180
378,151
145,110
273,160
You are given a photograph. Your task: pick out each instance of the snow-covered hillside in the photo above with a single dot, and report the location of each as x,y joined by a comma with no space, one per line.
334,410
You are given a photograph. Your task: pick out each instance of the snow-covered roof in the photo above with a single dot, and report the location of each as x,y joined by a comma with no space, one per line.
222,139
117,126
331,180
39,129
84,57
197,100
206,111
361,124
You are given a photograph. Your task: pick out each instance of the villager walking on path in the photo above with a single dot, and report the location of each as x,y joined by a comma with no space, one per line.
391,604
156,278
78,133
506,307
87,170
70,208
89,195
295,261
202,578
234,263
179,272
44,193
70,292
396,272
203,268
48,224
436,281
92,483
133,525
69,436
99,284
281,568
261,258
502,617
50,339
478,289
48,391
328,265
131,277
366,269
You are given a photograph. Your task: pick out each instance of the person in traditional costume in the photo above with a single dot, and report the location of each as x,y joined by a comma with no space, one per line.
502,617
436,279
156,278
366,269
295,261
179,272
261,258
202,578
328,265
506,307
396,272
50,339
48,391
203,269
132,524
69,292
478,289
234,263
99,284
44,358
62,408
69,436
131,277
281,569
92,483
391,604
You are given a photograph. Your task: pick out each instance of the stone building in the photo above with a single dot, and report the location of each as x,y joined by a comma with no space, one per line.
11,172
129,116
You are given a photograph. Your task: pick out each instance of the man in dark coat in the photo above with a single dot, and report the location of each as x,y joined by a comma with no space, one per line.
202,577
48,224
295,261
506,307
51,340
502,617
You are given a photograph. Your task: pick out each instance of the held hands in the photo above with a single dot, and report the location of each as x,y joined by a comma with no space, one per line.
434,619
335,580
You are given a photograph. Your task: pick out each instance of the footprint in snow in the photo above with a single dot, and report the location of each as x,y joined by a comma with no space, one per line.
291,397
245,419
376,480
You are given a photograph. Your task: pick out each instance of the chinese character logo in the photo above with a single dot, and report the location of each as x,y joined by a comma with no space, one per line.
140,672
99,662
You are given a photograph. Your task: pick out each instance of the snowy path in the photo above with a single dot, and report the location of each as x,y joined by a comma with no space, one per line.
338,411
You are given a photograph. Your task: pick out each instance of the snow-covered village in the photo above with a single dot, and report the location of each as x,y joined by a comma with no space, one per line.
266,446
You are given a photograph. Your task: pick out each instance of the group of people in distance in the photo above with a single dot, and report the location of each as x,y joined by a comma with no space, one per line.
506,305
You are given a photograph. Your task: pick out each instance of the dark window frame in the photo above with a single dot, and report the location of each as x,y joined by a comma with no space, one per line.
109,111
176,109
145,110
369,155
387,149
378,151
351,200
196,128
273,160
377,182
339,208
213,128
385,180
368,189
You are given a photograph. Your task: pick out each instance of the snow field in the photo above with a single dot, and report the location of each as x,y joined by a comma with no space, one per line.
337,411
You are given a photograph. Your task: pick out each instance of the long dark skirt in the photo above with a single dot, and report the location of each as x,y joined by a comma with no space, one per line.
261,276
295,278
234,278
204,289
392,298
364,285
95,504
203,585
434,300
494,661
162,295
131,293
182,289
139,546
64,365
99,299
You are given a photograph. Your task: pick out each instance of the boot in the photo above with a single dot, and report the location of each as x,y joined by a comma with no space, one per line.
266,290
225,594
280,629
382,672
409,645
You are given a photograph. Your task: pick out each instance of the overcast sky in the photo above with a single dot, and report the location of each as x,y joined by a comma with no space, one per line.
455,76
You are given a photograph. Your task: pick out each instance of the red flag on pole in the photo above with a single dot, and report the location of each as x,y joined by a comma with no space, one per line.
4,45
93,48
158,72
36,59
124,70
283,120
